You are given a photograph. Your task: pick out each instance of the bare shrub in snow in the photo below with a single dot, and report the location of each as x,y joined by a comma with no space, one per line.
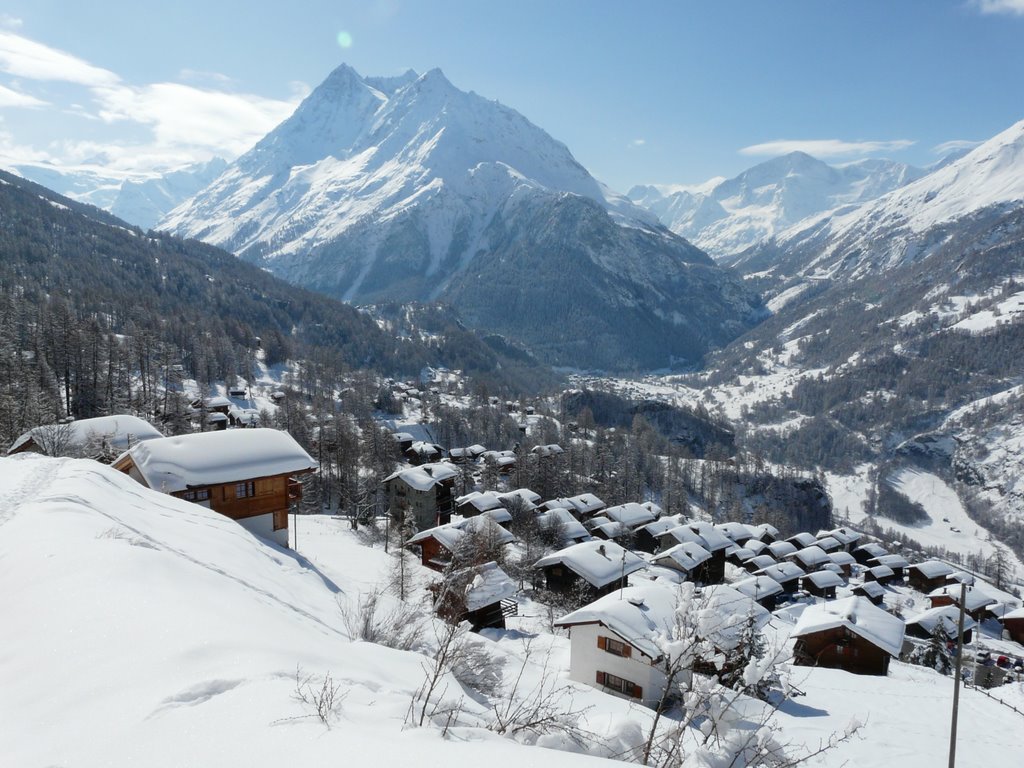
369,619
320,694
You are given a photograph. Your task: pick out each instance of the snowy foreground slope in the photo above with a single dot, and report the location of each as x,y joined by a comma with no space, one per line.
142,630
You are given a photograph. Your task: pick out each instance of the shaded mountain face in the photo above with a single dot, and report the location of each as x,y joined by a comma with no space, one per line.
406,188
726,216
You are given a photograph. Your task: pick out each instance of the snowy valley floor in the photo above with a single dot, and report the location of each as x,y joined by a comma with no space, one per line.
142,630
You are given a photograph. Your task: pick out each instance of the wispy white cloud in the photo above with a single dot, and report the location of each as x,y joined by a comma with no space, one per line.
1013,7
12,98
825,147
956,144
26,58
636,143
10,22
184,117
185,122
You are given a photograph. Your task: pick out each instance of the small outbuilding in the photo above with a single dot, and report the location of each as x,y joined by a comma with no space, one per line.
600,567
929,575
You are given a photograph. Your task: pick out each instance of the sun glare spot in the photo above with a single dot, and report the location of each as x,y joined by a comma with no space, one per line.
345,39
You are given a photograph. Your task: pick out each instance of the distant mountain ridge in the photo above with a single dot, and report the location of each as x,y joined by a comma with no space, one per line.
406,188
726,216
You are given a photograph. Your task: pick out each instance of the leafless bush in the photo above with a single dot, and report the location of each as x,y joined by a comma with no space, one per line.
396,627
322,695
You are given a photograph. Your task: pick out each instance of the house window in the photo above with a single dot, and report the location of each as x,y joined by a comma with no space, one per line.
200,495
614,647
245,490
619,684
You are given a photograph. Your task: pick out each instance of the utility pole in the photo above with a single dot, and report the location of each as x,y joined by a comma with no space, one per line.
956,674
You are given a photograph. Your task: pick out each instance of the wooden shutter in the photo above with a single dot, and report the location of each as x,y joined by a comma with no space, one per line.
600,678
627,651
638,692
602,643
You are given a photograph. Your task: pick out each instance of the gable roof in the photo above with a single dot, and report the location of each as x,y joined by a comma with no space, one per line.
119,432
423,477
858,615
932,569
945,618
783,572
639,616
630,514
486,584
687,555
758,587
172,464
570,528
599,563
824,579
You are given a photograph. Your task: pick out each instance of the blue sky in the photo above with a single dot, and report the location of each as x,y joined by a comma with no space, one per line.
670,92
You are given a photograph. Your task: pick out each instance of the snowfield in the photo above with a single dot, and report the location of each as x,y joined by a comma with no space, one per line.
143,630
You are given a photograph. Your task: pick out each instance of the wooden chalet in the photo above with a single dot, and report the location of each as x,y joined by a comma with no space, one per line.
882,574
975,604
851,634
482,594
943,621
425,492
1013,624
822,584
248,475
871,590
763,590
787,574
423,453
598,567
898,563
866,552
929,575
439,545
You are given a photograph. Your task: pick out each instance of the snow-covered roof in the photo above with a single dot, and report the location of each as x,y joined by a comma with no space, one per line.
662,525
735,531
1016,613
499,515
586,503
758,587
829,542
714,539
450,534
881,571
845,536
765,530
529,498
742,554
485,585
812,556
610,528
857,614
425,476
547,450
630,514
640,615
842,558
681,534
655,508
945,618
783,572
893,561
824,579
932,569
873,549
686,556
481,502
803,539
597,562
173,464
725,613
571,528
781,548
756,546
871,589
760,561
974,600
399,436
119,432
425,449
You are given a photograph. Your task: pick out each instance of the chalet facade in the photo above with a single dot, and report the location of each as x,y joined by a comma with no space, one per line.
929,575
248,475
483,595
613,643
851,634
425,492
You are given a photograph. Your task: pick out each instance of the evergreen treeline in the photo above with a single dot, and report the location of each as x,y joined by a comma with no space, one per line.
98,317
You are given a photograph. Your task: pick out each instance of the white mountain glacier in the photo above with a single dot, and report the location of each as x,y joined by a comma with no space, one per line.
140,199
726,216
407,188
905,225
